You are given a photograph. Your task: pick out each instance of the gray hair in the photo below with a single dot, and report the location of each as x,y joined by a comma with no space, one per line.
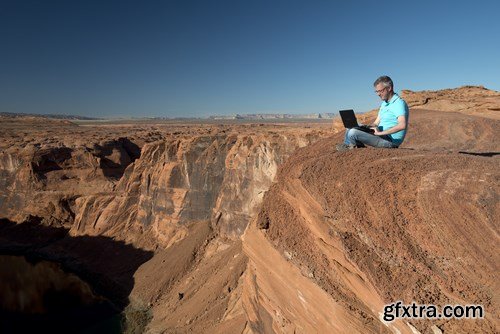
385,80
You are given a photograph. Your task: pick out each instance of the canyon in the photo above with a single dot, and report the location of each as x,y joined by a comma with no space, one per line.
248,227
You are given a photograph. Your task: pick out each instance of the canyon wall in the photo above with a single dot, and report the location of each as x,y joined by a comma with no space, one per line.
116,188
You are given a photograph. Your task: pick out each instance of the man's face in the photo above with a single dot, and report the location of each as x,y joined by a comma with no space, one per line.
383,91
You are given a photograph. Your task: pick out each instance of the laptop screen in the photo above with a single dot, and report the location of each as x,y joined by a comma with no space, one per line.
348,118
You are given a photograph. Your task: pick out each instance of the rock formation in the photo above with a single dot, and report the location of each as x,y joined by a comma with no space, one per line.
473,100
260,228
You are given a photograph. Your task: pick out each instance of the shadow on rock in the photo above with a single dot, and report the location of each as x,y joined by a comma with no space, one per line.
481,154
128,153
51,280
48,160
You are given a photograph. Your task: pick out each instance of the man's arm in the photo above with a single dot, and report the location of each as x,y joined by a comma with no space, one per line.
398,127
375,123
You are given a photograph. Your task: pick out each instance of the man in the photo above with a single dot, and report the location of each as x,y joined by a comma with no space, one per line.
390,125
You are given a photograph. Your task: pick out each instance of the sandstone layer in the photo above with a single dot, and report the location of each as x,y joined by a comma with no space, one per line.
472,100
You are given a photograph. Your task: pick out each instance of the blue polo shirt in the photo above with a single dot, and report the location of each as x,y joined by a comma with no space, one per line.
389,112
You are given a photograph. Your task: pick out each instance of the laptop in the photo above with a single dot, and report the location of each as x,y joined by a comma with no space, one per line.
350,121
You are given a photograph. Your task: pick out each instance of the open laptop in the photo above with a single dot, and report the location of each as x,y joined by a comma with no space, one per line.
350,121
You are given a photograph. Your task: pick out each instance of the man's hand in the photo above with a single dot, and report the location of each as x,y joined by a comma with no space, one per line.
398,127
376,132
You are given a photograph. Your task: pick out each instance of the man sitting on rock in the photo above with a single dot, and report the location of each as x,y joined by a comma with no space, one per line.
390,125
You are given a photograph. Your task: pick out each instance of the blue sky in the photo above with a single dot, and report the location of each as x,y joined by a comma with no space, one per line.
198,58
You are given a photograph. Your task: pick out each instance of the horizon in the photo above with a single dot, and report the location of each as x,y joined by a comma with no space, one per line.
145,117
195,59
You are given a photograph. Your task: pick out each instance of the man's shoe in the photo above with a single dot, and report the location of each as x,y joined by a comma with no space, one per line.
344,147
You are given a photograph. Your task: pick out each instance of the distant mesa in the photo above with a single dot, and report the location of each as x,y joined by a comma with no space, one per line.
275,116
55,116
157,118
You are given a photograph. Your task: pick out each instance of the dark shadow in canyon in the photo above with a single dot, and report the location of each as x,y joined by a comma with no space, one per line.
106,265
129,153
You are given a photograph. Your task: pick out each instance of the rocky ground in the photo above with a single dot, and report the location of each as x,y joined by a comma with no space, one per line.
260,228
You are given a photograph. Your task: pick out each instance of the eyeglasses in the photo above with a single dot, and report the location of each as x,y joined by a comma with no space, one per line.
378,91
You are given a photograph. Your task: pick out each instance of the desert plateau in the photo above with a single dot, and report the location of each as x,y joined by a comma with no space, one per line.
250,227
